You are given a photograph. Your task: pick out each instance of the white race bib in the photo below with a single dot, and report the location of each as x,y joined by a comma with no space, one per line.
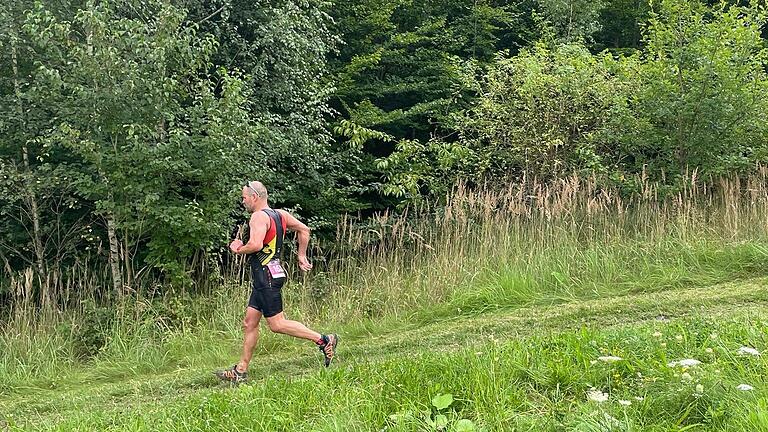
275,269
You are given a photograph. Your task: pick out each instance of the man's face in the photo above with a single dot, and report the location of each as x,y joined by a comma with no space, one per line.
249,200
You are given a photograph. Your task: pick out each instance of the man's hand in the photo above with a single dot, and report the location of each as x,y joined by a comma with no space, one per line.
235,245
304,263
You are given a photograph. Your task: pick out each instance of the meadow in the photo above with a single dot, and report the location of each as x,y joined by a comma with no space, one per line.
559,306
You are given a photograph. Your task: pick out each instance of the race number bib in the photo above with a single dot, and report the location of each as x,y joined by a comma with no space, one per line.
275,269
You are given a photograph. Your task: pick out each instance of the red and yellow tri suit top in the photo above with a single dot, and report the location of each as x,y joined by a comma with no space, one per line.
273,239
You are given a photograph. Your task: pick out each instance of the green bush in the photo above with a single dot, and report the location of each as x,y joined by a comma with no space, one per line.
91,332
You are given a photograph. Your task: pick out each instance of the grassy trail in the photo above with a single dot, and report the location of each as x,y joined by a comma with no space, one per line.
110,396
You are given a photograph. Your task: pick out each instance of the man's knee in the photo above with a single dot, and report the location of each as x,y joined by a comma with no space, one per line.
250,324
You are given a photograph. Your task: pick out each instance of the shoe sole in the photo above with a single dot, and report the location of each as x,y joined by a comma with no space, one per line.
335,344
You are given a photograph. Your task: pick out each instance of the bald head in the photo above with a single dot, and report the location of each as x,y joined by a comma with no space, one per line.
256,188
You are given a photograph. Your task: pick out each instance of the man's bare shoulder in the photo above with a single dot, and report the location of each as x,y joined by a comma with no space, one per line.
259,216
284,213
291,221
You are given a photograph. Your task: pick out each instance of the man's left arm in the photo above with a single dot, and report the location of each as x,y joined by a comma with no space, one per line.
302,231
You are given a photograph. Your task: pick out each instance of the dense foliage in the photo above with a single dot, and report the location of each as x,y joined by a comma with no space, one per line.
127,127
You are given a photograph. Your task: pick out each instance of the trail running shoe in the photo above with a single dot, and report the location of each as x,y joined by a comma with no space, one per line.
232,375
329,348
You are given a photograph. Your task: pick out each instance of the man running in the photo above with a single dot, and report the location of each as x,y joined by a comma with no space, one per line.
266,232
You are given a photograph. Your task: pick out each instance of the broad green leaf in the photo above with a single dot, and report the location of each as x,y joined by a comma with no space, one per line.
465,425
441,421
442,401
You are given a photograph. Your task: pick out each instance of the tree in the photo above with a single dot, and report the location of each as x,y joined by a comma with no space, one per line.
572,20
28,231
282,48
703,91
399,68
140,127
621,23
546,112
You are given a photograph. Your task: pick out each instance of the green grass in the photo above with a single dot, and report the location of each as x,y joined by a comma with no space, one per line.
523,369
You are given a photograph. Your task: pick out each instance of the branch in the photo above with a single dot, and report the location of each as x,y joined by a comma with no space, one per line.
13,250
211,15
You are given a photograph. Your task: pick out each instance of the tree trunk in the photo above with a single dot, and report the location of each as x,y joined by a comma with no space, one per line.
114,255
37,242
32,200
127,261
114,244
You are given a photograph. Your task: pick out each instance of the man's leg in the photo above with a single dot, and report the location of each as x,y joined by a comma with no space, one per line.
280,324
327,343
250,337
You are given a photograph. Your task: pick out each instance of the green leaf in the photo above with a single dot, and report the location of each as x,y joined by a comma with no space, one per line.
442,401
441,421
465,425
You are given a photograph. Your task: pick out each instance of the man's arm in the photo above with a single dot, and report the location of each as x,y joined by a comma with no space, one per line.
302,231
257,226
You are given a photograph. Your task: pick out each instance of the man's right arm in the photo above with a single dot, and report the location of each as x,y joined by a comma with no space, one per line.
302,231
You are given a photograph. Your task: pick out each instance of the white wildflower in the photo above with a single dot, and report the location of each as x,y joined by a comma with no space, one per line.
597,396
709,350
625,402
748,351
657,334
684,363
744,387
699,389
679,338
609,359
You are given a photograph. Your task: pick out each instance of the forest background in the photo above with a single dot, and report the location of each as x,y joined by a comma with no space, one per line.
127,128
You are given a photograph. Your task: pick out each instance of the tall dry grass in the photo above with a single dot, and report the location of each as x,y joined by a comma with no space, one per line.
550,236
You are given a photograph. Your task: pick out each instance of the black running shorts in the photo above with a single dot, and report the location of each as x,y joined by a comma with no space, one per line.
266,295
